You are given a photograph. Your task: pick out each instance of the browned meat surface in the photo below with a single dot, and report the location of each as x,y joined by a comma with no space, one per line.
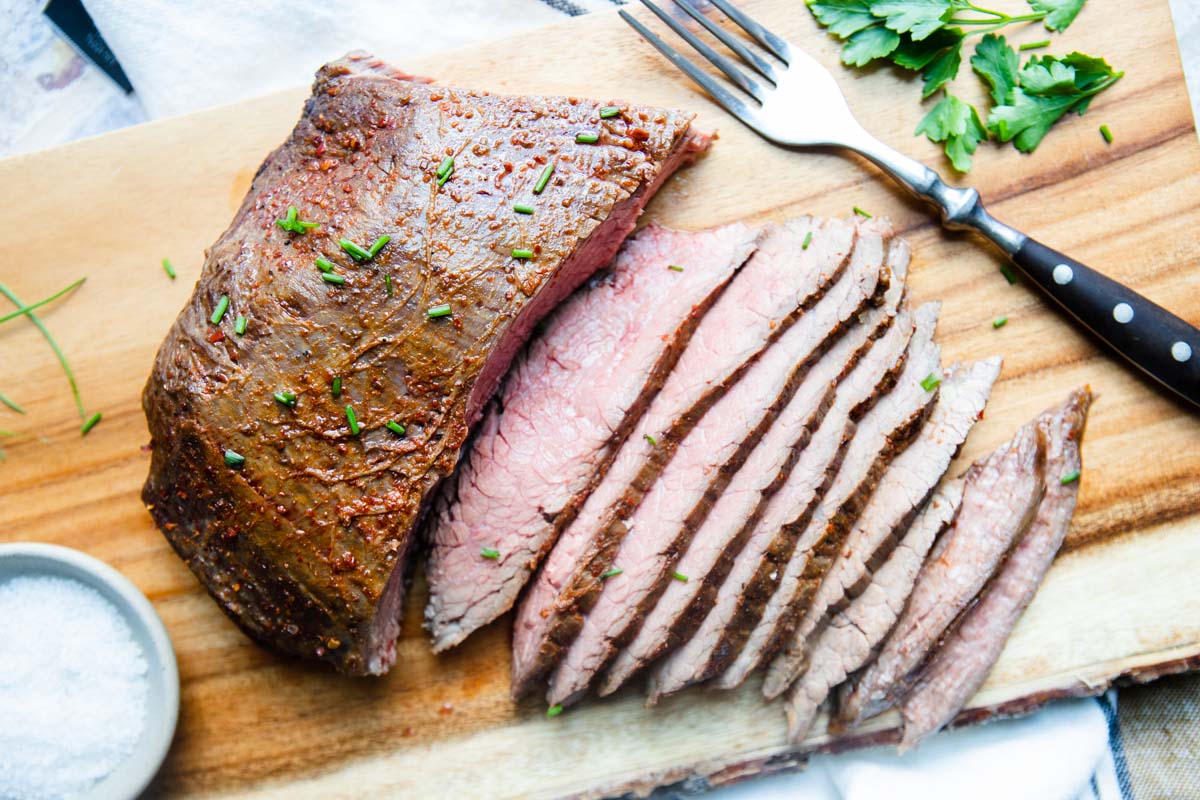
962,663
1001,495
905,486
853,633
304,543
564,410
775,288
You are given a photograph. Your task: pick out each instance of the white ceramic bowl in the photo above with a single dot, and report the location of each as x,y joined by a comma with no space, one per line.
162,701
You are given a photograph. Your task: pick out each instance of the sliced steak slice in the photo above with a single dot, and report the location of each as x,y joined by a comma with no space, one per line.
962,663
768,295
1001,495
304,543
568,403
879,437
903,489
854,632
699,473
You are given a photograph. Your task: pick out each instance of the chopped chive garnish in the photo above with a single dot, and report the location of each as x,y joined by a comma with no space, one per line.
862,213
1070,477
442,310
520,209
239,325
387,281
586,138
219,312
612,573
167,268
653,442
675,268
50,340
329,277
287,398
931,382
554,710
807,241
26,309
999,322
234,459
446,166
442,180
294,224
519,252
352,419
679,576
1106,133
490,552
356,252
337,387
379,245
91,423
395,427
544,178
609,111
1034,45
8,402
1007,272
324,264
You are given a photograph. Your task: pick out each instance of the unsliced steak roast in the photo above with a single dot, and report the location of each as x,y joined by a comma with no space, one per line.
766,298
904,487
564,410
303,542
962,663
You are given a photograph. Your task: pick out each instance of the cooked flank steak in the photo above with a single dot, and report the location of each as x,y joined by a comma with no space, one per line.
350,325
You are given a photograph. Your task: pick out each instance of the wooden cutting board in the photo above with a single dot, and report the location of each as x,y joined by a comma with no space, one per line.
1123,600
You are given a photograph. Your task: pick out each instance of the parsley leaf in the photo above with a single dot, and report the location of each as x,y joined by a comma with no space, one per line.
1059,13
958,125
843,18
868,45
942,69
996,63
919,18
917,55
1048,76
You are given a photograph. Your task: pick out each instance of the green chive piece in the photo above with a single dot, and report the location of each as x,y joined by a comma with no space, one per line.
680,577
862,213
554,710
167,268
234,459
807,241
520,209
32,306
1007,272
324,264
609,111
8,402
91,423
442,310
519,252
1070,477
653,442
587,138
395,427
544,178
219,312
1106,133
352,419
239,325
387,281
442,180
50,340
612,573
356,252
379,245
446,167
999,322
294,224
490,552
329,277
287,398
931,382
337,387
1034,45
675,268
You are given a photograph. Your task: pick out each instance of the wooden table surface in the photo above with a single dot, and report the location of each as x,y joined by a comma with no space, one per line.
1122,600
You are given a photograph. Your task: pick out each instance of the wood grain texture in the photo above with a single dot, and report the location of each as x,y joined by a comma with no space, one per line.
1122,601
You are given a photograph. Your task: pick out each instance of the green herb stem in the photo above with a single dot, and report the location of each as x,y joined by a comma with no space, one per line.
522,209
352,420
490,552
1104,131
1034,45
520,252
329,277
612,573
234,459
286,398
92,421
609,111
807,241
653,442
356,252
62,359
679,576
1070,477
324,264
442,310
999,322
1008,274
378,245
239,325
219,312
395,427
544,178
675,268
554,710
931,382
23,310
167,268
587,138
387,282
11,404
862,213
337,387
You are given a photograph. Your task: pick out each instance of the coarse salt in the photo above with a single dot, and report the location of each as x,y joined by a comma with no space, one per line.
73,686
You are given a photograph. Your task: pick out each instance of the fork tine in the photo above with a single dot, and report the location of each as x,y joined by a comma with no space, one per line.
731,103
767,39
753,59
720,62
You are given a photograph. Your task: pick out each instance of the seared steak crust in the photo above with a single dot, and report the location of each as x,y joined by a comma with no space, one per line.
302,544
